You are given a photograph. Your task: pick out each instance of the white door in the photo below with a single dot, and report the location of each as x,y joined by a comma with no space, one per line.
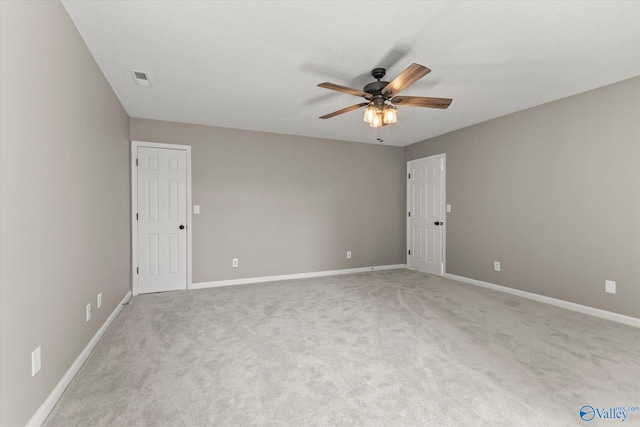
425,222
161,219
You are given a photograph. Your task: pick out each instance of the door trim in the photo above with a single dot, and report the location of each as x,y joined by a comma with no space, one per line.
134,208
443,157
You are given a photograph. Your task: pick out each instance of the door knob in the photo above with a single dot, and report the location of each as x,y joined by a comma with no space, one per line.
439,223
182,227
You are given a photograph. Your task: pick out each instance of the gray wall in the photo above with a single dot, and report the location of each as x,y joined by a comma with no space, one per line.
64,201
553,193
286,204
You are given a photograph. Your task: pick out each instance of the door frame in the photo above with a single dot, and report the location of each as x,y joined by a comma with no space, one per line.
134,207
443,157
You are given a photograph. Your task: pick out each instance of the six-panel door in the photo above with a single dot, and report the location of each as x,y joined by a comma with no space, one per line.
162,219
426,218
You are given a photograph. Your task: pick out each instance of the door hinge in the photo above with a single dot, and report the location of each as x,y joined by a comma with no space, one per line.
409,251
409,213
136,162
409,176
136,217
137,270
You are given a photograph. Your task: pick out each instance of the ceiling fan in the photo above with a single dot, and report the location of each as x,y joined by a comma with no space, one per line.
382,96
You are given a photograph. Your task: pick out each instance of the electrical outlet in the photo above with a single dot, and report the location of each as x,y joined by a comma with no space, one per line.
496,266
234,262
610,286
99,300
88,312
348,254
36,362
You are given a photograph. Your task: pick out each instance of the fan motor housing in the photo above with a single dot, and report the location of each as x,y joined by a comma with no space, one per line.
375,88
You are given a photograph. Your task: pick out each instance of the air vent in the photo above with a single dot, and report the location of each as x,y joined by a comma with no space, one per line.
141,78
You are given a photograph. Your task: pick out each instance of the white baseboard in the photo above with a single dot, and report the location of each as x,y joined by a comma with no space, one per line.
203,285
45,409
603,314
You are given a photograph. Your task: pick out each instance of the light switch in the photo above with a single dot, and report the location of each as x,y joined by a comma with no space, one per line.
196,209
448,208
610,286
36,362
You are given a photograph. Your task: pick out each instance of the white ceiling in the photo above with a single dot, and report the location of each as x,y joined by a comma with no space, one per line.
255,65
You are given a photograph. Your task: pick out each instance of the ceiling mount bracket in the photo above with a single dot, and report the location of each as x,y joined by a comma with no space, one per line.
378,73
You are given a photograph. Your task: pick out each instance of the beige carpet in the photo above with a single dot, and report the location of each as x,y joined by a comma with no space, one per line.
389,348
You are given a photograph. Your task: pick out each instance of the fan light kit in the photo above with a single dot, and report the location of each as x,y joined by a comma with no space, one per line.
376,116
381,96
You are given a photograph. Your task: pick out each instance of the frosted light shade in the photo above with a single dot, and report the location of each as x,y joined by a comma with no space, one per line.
389,115
369,113
377,121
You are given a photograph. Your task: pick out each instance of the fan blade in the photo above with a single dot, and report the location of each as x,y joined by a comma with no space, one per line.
388,61
344,110
406,78
345,89
421,101
394,55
